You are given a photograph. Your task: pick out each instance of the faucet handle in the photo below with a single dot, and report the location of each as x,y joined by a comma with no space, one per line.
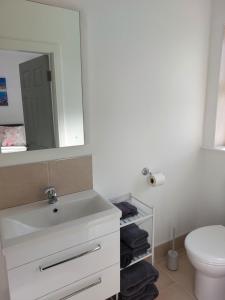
50,191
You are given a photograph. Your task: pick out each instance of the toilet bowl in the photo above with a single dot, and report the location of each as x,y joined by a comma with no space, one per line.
206,250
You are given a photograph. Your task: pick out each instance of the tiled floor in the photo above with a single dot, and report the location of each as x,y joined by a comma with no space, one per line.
176,285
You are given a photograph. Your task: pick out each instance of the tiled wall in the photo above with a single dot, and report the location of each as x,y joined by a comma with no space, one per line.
24,184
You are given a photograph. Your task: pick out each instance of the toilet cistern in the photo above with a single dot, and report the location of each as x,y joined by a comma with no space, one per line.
52,195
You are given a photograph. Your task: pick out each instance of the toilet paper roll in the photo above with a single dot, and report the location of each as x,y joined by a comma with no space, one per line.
156,179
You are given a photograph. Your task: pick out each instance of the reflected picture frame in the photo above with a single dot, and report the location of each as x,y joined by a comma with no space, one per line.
3,92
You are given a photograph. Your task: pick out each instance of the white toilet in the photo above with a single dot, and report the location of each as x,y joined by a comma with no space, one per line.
206,250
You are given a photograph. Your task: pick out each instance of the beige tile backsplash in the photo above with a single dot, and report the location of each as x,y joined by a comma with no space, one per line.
24,184
71,175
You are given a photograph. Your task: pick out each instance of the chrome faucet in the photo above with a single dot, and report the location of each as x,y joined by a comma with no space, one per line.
52,195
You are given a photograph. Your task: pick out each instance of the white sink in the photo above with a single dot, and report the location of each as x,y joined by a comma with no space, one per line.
24,220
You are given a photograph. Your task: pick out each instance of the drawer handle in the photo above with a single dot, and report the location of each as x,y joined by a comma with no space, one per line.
44,268
83,289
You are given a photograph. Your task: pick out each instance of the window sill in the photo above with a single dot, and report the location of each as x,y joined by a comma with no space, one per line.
218,149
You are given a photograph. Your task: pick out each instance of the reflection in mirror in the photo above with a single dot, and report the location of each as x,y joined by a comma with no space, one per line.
40,77
27,121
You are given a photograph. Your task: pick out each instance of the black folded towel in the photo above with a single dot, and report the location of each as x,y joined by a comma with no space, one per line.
128,210
133,236
149,292
136,277
141,249
126,255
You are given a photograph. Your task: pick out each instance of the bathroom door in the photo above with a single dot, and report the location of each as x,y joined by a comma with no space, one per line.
37,103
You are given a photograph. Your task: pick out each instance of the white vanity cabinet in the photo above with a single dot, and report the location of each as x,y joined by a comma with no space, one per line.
95,287
74,260
67,269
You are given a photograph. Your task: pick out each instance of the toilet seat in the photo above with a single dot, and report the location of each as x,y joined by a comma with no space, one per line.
207,245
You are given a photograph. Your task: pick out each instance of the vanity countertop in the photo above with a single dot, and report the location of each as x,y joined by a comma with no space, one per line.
40,229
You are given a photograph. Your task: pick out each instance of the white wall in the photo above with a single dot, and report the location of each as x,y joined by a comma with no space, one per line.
148,101
9,68
211,204
144,70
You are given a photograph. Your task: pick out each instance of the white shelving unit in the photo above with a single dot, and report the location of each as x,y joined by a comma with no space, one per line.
145,212
139,258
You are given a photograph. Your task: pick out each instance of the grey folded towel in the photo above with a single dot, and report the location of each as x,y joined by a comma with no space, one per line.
126,255
140,250
133,236
128,210
136,277
149,292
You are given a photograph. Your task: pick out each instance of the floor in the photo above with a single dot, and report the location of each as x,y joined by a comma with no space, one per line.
176,285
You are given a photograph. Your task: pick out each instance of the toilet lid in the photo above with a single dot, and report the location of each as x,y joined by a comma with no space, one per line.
207,244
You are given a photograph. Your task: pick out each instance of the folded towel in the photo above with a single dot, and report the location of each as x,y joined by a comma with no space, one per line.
133,236
136,277
149,292
141,249
126,255
128,210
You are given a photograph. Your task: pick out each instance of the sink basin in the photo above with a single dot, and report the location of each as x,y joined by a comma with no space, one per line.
24,220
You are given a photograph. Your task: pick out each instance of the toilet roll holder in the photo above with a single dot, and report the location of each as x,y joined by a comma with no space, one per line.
146,172
155,179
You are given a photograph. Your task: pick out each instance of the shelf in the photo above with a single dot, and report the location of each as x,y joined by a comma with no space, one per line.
144,211
138,259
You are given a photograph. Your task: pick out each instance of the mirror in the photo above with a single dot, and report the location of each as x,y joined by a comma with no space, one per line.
40,77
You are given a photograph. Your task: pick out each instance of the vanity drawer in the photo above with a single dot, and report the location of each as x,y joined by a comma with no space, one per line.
99,286
41,277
